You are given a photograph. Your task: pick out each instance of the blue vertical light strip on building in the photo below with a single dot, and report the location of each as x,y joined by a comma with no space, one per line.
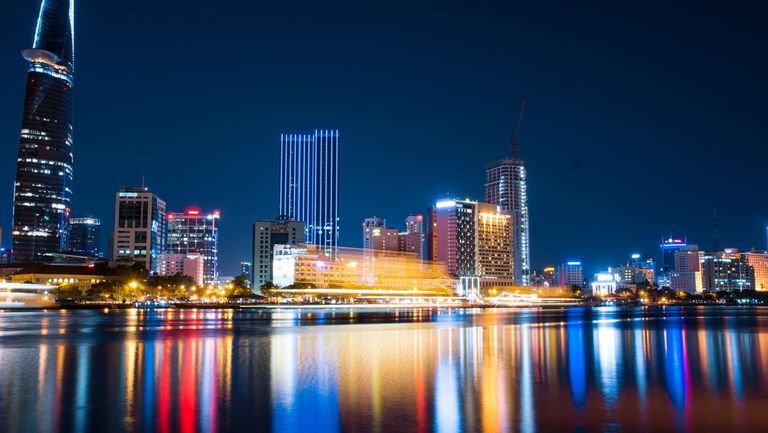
281,207
309,185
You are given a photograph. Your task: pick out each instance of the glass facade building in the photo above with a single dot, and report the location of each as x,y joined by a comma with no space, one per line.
42,189
85,236
196,232
506,186
670,247
309,185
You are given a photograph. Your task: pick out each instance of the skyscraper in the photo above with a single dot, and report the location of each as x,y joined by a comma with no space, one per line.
85,236
140,227
42,191
196,232
309,185
505,186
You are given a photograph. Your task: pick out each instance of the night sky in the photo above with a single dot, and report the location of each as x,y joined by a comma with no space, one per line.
640,118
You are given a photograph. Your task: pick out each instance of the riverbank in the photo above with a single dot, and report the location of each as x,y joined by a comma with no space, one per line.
233,305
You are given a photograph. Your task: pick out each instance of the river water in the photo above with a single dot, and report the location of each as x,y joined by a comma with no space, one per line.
528,370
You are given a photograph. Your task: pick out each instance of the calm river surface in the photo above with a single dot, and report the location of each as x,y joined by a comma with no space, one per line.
575,369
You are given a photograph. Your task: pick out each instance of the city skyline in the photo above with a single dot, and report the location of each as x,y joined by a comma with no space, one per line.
640,151
394,216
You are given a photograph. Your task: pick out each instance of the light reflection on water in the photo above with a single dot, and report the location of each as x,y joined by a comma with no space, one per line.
688,369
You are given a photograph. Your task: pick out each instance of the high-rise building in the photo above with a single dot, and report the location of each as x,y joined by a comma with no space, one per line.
669,247
267,234
494,246
411,243
687,275
431,234
570,274
759,263
506,186
474,239
413,239
369,227
455,229
189,264
140,227
42,191
85,236
727,270
384,239
309,185
194,231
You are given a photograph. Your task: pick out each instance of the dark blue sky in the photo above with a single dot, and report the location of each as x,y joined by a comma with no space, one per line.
639,117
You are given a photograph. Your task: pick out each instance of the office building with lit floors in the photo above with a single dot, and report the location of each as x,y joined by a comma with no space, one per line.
475,240
267,234
570,274
85,236
140,227
506,186
193,231
453,226
309,185
727,270
43,186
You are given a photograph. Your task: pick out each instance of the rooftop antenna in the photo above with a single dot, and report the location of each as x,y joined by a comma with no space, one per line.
513,144
143,187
